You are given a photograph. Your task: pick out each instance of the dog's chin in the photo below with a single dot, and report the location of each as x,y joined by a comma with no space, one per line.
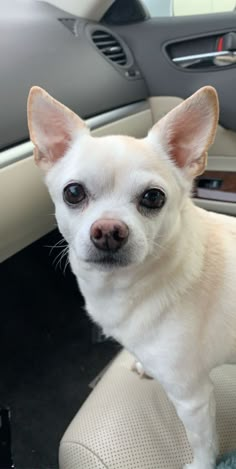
108,262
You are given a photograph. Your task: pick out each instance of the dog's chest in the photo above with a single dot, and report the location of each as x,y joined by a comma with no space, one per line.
137,322
145,334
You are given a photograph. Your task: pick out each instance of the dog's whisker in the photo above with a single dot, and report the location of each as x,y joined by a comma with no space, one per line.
65,253
58,263
61,256
57,245
66,265
63,246
59,242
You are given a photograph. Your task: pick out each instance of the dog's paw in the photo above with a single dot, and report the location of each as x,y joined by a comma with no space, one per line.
138,368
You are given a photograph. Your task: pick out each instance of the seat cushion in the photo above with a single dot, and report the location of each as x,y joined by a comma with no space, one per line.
129,423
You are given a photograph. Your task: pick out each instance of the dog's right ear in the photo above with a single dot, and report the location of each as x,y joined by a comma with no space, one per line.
52,127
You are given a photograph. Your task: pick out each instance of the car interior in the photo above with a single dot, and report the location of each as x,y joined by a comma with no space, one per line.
68,396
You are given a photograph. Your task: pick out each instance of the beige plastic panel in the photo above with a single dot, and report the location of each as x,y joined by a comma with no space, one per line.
221,163
90,9
26,212
225,141
228,208
25,207
136,125
224,144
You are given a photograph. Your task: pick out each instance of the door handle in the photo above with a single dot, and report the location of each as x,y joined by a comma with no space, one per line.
218,58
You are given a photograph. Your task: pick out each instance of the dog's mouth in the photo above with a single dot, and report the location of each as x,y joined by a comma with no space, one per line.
109,261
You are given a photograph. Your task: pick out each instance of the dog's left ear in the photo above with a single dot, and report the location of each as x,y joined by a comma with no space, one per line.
52,127
187,131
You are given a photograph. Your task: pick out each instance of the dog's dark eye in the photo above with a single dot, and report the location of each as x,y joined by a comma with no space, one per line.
74,193
153,198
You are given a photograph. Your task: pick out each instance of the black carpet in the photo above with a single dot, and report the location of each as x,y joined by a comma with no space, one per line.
47,358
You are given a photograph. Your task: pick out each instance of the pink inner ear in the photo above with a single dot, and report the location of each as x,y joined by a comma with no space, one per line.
57,140
52,129
186,137
59,149
177,151
179,145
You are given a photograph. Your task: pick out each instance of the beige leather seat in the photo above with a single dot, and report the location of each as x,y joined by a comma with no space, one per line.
128,423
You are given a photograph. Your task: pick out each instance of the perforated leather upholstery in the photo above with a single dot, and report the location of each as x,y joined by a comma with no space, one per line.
129,423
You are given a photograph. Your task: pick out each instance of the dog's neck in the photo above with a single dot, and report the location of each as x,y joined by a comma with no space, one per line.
124,289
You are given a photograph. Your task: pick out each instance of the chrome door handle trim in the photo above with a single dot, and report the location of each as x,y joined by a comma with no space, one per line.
205,56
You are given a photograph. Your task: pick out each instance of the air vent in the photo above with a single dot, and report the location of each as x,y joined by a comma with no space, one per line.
109,46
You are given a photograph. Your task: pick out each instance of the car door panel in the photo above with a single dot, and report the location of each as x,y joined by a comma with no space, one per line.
149,41
155,43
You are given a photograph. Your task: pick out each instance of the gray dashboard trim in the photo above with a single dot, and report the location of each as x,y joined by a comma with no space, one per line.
116,114
25,150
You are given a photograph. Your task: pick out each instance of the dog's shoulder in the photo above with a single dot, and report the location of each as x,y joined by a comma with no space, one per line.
225,222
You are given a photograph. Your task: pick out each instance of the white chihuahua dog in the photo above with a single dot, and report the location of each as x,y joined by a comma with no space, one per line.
157,272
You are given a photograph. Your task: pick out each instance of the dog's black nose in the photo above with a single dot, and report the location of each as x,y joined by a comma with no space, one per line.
108,234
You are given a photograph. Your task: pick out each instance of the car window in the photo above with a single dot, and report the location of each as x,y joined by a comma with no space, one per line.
185,7
158,7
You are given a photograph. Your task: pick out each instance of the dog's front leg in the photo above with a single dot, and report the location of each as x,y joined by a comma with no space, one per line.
197,413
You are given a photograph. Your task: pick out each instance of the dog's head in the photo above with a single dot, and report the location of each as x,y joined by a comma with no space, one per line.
119,199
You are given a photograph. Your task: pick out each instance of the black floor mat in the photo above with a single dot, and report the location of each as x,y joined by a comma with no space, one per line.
47,358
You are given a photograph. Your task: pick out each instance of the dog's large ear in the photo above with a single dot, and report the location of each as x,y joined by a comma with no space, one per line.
187,131
52,127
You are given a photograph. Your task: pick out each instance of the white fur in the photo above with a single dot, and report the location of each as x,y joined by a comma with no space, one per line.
173,306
